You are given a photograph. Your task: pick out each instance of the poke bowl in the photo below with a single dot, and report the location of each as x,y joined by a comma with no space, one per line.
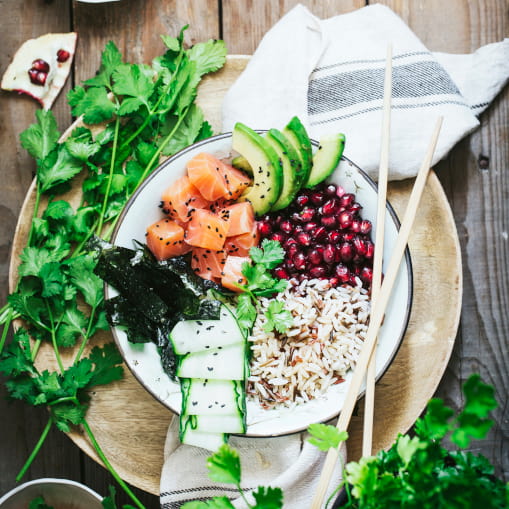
299,376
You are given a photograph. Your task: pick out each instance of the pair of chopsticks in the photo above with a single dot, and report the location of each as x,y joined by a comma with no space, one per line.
381,292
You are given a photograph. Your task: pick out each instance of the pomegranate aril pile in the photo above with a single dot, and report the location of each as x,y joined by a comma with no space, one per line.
324,237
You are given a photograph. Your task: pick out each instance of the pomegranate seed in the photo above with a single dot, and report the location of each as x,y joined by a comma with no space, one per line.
320,233
360,246
289,266
357,259
334,281
320,249
329,221
329,253
352,280
278,236
345,219
299,260
40,65
304,239
330,190
286,226
264,227
302,200
356,225
334,236
317,271
281,273
289,242
309,227
37,77
366,275
63,55
315,257
295,217
317,197
348,236
366,226
346,200
340,192
298,228
355,207
370,250
342,273
330,207
307,214
292,250
346,252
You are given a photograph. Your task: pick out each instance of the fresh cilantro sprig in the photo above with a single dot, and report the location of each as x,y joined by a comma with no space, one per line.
133,115
261,283
224,467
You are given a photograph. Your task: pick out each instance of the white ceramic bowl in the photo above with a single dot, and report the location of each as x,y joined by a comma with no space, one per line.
143,359
57,493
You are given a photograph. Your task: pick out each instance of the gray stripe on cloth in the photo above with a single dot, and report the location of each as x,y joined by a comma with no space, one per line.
338,91
376,108
372,61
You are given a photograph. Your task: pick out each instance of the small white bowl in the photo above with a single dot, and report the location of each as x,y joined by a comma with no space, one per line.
57,493
143,359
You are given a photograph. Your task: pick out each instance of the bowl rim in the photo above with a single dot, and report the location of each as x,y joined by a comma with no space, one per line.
373,185
49,480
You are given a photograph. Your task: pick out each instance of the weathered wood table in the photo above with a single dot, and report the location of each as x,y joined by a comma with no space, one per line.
475,178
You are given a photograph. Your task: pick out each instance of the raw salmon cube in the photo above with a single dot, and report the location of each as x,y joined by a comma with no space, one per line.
207,174
232,272
240,218
181,199
165,239
206,230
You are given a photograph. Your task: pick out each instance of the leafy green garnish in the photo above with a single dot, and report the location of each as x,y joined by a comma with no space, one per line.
326,437
39,503
224,467
261,283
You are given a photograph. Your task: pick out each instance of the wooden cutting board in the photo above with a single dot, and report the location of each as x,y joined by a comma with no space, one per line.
130,425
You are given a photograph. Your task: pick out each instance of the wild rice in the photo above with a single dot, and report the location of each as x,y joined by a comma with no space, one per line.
323,343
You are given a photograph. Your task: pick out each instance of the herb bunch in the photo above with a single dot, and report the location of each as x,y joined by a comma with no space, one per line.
132,115
261,283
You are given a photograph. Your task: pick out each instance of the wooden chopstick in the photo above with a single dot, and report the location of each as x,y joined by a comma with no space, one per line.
377,314
369,401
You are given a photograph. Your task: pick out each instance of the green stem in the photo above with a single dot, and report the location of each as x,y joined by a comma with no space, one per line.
35,213
157,153
80,246
110,177
35,349
54,339
108,465
5,330
243,496
86,337
37,447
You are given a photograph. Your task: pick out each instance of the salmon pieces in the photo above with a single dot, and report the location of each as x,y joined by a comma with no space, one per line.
203,218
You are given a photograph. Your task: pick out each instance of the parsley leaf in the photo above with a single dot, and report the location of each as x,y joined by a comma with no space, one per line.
224,465
271,254
209,56
41,138
278,317
58,167
110,59
131,81
94,104
268,498
326,437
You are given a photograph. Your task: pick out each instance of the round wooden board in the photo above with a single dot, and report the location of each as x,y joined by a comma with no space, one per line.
131,426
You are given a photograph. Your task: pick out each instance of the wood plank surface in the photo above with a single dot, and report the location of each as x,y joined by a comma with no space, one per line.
476,179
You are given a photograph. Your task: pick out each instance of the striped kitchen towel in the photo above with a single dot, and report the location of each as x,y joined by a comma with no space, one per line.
330,73
289,462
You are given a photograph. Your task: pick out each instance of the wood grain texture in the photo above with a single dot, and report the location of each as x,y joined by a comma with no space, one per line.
245,22
131,426
479,202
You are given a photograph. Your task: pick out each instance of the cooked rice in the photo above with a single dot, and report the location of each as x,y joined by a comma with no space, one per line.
315,353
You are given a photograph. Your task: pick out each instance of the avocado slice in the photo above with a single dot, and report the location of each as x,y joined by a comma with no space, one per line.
298,137
292,168
241,163
267,171
326,158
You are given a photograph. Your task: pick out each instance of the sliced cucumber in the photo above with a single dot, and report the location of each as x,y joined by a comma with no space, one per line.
326,158
212,397
241,163
233,423
292,168
298,137
198,335
224,363
191,436
267,172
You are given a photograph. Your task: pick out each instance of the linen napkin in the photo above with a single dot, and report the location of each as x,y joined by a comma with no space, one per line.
288,462
330,74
